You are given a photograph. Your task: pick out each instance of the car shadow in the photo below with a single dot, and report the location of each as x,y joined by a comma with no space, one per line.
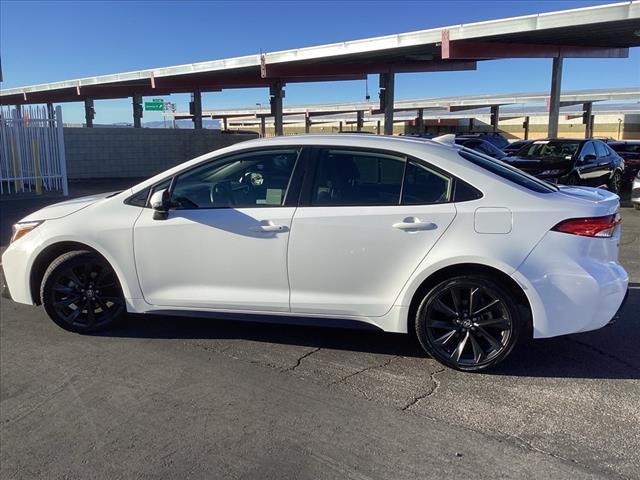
608,353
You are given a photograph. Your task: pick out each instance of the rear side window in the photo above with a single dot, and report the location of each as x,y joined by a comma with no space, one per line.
507,172
345,177
423,185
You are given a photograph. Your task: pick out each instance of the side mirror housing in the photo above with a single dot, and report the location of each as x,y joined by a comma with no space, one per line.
588,158
160,204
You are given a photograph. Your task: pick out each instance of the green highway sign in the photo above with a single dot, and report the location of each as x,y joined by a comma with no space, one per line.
156,105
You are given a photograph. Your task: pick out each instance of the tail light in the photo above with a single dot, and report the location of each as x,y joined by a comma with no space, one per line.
602,227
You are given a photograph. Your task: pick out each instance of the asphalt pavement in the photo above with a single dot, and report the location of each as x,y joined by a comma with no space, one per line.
173,397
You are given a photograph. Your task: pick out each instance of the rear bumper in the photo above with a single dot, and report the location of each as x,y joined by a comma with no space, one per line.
572,284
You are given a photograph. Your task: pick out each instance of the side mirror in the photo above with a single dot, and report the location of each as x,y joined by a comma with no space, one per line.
160,204
588,158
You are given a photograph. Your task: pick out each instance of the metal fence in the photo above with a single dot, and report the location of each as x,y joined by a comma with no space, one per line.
32,157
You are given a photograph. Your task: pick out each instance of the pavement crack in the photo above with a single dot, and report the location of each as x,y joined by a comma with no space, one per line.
299,361
366,369
604,353
434,388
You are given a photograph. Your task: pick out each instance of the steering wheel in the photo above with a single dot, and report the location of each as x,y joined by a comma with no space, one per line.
222,192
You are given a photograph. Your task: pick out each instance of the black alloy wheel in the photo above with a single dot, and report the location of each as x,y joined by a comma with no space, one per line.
81,292
468,323
615,183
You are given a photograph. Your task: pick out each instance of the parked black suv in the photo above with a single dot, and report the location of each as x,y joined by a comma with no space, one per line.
629,150
571,162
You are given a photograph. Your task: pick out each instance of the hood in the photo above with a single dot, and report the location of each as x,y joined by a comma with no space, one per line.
62,209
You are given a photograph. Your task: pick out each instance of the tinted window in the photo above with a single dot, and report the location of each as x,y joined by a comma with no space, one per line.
252,179
139,199
423,185
507,172
626,147
588,149
601,149
345,177
549,149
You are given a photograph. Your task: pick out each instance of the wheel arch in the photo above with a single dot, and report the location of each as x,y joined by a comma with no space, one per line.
469,268
49,254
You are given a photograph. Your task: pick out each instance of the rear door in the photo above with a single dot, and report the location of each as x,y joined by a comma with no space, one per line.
366,220
605,162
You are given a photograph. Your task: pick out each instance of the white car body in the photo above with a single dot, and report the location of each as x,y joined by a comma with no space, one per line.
342,262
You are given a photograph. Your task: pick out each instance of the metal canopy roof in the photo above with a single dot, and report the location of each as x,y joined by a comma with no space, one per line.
601,31
451,103
507,113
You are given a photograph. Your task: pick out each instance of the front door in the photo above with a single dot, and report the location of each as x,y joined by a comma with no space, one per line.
360,233
224,243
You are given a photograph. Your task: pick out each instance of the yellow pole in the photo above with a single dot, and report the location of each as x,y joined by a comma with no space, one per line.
16,166
36,166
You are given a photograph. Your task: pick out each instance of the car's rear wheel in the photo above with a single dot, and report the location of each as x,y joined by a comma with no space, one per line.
81,292
469,323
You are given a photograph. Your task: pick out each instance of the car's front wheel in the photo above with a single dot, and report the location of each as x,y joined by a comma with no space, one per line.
468,322
81,292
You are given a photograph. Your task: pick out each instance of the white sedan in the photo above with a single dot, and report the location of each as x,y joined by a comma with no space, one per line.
402,235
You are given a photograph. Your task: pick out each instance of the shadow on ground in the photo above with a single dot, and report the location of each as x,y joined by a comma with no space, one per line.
608,353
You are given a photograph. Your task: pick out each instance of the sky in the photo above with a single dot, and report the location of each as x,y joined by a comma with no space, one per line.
42,42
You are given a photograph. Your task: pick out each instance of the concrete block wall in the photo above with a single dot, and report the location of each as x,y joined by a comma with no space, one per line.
137,152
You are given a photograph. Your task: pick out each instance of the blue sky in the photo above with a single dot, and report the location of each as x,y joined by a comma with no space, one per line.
47,41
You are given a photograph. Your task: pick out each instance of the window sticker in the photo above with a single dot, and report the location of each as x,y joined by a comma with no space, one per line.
274,196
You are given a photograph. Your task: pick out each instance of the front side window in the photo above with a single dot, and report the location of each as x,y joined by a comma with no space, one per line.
345,177
601,149
423,185
253,179
588,149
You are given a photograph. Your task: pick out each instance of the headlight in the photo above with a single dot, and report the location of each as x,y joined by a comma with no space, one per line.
21,229
551,172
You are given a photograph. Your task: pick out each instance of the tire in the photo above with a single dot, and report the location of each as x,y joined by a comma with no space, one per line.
615,183
451,335
636,206
81,293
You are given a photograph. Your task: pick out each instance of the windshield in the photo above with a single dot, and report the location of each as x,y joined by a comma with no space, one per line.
507,171
549,149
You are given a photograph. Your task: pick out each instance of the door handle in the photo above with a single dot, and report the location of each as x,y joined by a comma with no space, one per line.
413,223
268,226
